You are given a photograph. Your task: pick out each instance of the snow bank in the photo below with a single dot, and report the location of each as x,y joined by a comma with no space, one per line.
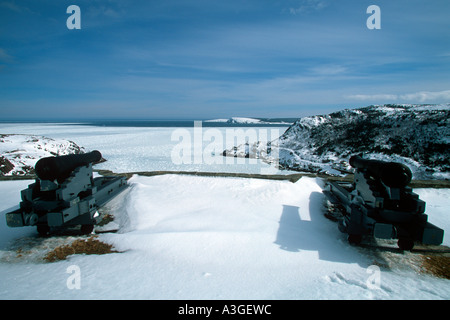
187,237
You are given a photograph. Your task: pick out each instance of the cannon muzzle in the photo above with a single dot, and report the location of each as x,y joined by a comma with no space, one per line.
392,174
60,168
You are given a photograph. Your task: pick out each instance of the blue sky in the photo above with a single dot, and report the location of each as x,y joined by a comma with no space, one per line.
203,59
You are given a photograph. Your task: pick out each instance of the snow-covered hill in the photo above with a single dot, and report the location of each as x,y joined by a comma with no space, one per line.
417,135
241,120
19,153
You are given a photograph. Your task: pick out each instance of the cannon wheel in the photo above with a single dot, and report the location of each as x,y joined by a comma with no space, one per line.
354,239
43,229
87,228
405,244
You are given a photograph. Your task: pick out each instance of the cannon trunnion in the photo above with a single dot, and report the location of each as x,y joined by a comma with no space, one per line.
64,194
379,203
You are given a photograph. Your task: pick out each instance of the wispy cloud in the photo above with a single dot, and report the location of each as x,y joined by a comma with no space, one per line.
422,96
426,96
11,6
306,6
5,57
103,11
328,70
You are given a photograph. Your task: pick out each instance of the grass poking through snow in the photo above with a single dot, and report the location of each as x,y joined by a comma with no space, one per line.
79,246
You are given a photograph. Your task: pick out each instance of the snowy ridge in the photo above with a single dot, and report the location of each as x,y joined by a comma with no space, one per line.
240,120
236,120
19,152
416,135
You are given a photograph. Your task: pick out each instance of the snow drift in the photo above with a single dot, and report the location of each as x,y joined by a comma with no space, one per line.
187,237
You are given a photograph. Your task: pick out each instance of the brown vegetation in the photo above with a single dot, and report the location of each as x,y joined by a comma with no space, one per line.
437,265
79,246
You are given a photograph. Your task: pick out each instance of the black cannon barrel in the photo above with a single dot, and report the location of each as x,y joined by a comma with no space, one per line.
392,174
60,168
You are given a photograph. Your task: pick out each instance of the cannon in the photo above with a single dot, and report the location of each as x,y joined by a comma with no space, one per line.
65,194
380,203
392,174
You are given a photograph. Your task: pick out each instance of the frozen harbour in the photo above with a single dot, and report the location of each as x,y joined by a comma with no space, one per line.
137,149
188,237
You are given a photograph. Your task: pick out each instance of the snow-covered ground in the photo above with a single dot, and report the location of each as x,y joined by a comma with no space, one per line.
191,237
187,237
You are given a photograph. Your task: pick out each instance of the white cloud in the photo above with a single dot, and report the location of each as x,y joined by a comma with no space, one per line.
426,96
365,97
102,11
422,96
308,6
328,70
